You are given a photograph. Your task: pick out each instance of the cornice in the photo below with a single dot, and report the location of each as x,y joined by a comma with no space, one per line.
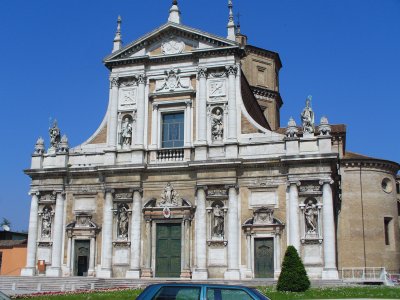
258,91
372,163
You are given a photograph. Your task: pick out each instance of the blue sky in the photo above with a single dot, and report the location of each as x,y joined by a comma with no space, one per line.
344,53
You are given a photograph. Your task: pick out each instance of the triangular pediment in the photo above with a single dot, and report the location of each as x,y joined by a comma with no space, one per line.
170,39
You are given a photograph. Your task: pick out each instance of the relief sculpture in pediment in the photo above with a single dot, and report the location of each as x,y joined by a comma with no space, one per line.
172,46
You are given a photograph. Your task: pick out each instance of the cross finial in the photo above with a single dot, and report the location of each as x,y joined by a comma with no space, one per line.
118,39
174,13
231,22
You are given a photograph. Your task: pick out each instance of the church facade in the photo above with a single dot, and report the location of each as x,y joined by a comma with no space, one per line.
191,176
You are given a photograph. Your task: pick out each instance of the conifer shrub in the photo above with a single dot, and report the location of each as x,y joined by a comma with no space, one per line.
293,277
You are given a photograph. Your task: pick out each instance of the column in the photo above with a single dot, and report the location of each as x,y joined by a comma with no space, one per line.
30,269
232,120
330,269
106,242
248,257
186,248
294,233
140,116
201,272
69,253
277,250
154,126
147,272
113,112
188,124
55,269
233,235
202,106
136,229
92,256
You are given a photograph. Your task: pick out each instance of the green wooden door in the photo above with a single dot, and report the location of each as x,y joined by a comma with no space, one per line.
168,250
264,258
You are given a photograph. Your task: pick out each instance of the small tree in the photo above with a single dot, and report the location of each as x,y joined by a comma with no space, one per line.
293,277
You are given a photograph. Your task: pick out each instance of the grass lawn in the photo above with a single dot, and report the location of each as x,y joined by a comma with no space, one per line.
377,292
315,293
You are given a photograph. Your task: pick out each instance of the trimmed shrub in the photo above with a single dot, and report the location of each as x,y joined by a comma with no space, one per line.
293,277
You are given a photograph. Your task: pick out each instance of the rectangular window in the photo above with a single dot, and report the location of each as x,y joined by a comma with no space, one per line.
387,224
173,125
1,260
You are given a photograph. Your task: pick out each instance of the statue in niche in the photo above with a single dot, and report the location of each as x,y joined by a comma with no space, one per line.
307,117
217,126
46,222
126,132
169,197
218,226
55,135
311,216
123,221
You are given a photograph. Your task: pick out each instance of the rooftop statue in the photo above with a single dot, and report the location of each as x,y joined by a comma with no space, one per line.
55,136
307,117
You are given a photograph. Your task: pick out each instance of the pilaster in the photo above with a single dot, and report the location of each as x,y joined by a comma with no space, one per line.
330,268
201,273
233,273
136,229
106,248
55,269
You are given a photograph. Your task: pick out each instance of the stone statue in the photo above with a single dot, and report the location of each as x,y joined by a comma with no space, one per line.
324,127
292,130
218,227
63,145
126,132
39,146
123,222
307,117
55,135
169,197
46,222
217,126
311,216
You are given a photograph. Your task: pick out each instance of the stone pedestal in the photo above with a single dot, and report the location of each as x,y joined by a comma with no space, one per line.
147,273
53,272
104,273
28,272
200,274
133,274
232,275
330,274
200,152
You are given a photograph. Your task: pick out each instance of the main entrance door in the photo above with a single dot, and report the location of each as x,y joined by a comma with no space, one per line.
82,248
264,258
168,250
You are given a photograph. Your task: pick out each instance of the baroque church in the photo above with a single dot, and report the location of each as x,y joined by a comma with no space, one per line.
190,175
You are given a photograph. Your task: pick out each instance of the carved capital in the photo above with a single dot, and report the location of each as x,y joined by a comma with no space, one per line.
230,186
188,103
109,190
34,193
202,72
138,189
141,78
292,182
231,70
114,81
155,106
326,180
203,187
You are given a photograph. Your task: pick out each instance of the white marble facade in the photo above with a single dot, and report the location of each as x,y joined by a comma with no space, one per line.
99,209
